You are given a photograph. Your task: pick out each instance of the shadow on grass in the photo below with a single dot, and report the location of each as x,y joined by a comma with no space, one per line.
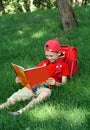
66,109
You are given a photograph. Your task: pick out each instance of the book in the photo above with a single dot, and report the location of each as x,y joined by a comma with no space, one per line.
32,76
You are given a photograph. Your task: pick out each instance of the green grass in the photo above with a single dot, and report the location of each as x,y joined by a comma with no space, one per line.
22,37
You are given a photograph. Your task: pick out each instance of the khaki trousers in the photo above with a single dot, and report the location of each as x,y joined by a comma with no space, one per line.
25,93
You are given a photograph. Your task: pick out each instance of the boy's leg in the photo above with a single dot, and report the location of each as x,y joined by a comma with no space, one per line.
41,97
20,95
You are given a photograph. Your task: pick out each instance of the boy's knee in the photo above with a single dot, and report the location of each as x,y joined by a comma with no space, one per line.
43,95
11,101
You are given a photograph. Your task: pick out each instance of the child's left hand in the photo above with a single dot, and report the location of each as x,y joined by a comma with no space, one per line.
17,80
50,81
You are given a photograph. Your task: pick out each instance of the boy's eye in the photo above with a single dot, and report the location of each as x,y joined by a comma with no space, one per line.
49,56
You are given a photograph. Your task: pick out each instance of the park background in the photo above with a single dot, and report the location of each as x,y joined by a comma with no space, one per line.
22,37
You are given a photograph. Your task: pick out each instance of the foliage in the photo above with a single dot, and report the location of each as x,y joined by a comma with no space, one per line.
48,4
22,37
17,6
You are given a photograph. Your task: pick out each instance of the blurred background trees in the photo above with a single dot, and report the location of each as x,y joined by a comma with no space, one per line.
17,6
2,7
65,7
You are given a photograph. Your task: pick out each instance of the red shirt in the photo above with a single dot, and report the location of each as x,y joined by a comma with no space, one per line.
56,69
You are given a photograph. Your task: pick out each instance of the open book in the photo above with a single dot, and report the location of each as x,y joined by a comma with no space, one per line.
32,76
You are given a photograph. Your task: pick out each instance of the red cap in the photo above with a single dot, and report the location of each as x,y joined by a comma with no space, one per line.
53,46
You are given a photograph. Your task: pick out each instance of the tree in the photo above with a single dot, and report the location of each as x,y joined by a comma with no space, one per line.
68,17
1,7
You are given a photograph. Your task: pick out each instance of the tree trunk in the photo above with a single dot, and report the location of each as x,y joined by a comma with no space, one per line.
1,7
67,14
32,6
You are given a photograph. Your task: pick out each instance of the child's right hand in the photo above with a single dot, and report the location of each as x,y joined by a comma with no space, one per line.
50,81
18,80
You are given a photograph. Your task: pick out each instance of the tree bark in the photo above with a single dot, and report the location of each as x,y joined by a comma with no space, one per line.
1,7
68,17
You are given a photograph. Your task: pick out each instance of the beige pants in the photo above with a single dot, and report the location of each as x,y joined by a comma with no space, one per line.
25,93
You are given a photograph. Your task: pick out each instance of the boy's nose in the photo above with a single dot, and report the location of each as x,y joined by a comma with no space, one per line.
49,58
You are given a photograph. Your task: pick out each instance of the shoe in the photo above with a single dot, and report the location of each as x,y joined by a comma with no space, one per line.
14,113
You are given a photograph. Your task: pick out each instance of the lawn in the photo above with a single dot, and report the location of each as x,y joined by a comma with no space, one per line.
22,37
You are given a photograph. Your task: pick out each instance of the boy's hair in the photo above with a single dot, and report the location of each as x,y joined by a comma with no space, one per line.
52,46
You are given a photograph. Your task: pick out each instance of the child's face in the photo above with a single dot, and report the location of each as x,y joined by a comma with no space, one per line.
52,56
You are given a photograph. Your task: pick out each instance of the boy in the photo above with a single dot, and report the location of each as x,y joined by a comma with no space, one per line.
58,71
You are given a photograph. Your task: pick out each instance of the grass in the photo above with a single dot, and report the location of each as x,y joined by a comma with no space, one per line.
22,37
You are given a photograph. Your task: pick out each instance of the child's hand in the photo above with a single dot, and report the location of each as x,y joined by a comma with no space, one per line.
18,80
51,81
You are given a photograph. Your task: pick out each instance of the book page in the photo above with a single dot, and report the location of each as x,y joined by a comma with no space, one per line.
20,73
32,76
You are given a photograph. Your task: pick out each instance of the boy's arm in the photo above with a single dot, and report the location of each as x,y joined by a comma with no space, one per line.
51,81
64,80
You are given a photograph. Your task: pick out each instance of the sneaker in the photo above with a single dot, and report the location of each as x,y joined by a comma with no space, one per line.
14,113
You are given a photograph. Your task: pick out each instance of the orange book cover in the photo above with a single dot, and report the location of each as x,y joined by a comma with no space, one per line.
32,76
